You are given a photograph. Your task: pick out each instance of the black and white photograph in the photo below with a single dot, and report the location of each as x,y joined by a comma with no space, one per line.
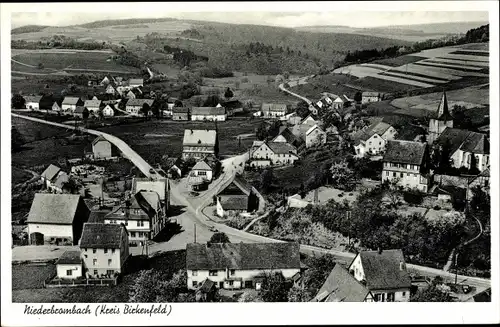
266,152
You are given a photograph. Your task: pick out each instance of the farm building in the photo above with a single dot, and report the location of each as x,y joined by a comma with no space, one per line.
273,110
285,135
199,144
373,139
272,153
49,175
93,106
160,186
32,102
57,106
79,111
137,107
367,97
134,94
108,110
69,265
180,113
136,82
56,219
208,113
70,104
239,265
110,90
311,120
201,175
104,249
309,134
238,196
101,148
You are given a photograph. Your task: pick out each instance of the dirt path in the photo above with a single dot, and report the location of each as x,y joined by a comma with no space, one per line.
34,178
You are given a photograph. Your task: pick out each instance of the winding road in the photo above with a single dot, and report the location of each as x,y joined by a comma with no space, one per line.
196,225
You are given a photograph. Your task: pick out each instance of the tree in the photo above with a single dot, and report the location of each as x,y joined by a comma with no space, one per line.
85,114
228,94
302,109
152,286
473,170
274,288
319,269
286,75
266,180
17,139
250,296
358,97
343,177
71,186
434,293
18,101
299,293
145,110
262,131
212,101
219,237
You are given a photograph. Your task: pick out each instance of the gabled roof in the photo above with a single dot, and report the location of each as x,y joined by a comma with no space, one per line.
159,186
405,152
139,102
199,137
443,112
71,100
51,172
92,103
32,98
309,131
98,139
341,286
205,111
235,203
281,148
79,109
378,128
61,179
136,81
464,140
202,165
288,135
371,94
180,110
245,256
69,257
273,107
53,208
383,270
314,117
101,236
240,183
206,286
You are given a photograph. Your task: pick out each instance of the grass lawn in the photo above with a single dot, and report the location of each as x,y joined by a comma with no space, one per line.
29,276
398,61
380,85
20,176
168,262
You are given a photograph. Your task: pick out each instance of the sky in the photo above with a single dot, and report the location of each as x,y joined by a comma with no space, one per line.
283,19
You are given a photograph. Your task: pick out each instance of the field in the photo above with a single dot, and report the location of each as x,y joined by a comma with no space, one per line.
29,276
332,83
20,176
440,67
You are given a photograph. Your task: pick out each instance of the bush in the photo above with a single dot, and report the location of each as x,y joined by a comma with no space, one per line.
413,197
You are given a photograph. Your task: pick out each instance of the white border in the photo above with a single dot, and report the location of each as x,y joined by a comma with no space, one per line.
257,313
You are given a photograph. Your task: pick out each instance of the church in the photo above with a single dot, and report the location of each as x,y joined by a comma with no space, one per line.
441,121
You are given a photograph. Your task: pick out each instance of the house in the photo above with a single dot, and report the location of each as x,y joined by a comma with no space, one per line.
159,186
136,82
404,163
104,249
292,118
310,134
69,265
57,106
373,139
201,174
238,196
285,135
180,113
199,144
56,218
93,106
325,102
367,97
311,119
273,110
338,103
441,121
78,112
108,110
137,107
142,215
341,286
134,94
101,148
206,291
239,265
232,106
32,102
58,184
272,153
110,90
49,175
463,144
208,113
70,104
105,81
384,273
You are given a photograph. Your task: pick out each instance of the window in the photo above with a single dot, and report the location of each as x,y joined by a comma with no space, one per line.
94,262
94,250
109,262
404,294
202,173
140,223
113,251
85,256
195,272
195,283
386,173
110,272
231,283
85,249
233,272
377,297
390,297
69,272
105,251
212,272
393,174
132,234
95,272
370,143
401,174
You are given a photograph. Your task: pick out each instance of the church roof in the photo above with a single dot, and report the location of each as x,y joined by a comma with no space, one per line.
443,112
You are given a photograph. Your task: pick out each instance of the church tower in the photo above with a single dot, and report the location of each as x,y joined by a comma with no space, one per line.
441,121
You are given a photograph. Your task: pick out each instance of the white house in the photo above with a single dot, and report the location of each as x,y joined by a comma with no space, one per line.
110,90
105,81
69,265
135,106
32,102
208,113
238,196
136,82
108,111
56,219
101,148
404,163
463,144
315,136
57,106
70,104
93,106
104,249
373,139
49,175
240,265
160,186
199,144
272,153
273,110
201,168
367,97
384,273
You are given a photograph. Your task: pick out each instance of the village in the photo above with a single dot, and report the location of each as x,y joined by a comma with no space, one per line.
323,200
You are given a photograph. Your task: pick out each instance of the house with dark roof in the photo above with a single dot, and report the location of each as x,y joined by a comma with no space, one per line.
69,265
104,249
384,273
264,154
56,219
70,104
372,139
463,145
58,184
367,97
49,175
285,135
404,163
32,101
239,265
142,214
160,186
208,113
206,291
136,107
109,110
238,196
273,110
200,143
440,121
311,120
341,286
180,113
310,134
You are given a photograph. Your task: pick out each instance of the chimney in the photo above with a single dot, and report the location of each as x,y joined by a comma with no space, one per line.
379,250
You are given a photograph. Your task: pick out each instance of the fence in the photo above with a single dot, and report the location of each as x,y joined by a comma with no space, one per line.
53,281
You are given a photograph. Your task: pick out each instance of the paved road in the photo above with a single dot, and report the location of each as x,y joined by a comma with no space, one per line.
126,150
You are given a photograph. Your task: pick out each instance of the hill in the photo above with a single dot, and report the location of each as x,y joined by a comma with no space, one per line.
28,29
119,22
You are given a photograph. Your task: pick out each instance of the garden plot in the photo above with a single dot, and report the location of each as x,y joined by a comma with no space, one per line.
403,81
457,67
456,61
424,72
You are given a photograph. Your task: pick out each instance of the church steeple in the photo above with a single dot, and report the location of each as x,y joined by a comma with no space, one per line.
443,112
